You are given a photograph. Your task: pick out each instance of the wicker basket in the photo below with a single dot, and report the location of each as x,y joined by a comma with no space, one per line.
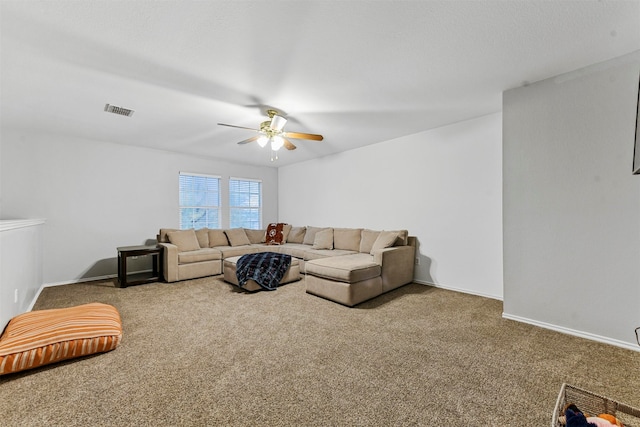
593,404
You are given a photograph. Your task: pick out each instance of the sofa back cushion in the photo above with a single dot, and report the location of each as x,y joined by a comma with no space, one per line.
347,238
323,239
217,238
403,237
285,232
367,239
386,239
203,237
237,237
296,235
162,236
256,236
185,240
310,234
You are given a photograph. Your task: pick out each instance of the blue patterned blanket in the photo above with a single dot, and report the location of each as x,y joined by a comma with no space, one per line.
265,268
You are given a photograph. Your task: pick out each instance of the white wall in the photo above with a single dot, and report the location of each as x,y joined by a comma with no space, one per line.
96,196
443,185
571,204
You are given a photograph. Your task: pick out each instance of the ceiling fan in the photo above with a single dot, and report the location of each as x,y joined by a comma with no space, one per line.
271,131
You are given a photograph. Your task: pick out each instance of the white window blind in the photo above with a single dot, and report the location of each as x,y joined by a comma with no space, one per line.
199,201
245,203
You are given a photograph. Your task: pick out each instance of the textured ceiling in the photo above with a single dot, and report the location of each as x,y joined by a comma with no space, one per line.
358,72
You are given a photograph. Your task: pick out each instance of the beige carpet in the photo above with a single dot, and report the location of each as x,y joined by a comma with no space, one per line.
200,353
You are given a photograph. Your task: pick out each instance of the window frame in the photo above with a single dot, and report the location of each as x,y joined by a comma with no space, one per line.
218,208
254,224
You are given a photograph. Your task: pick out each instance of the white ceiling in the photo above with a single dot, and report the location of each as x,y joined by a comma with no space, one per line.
358,72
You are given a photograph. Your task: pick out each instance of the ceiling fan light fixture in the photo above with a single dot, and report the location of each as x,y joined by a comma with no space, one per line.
276,142
272,132
263,140
277,123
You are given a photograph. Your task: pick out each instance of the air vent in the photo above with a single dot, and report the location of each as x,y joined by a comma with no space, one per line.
118,110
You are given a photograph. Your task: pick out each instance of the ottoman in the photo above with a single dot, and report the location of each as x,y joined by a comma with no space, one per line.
229,271
347,279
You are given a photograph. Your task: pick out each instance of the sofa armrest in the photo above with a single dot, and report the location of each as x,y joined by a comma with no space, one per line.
170,262
397,265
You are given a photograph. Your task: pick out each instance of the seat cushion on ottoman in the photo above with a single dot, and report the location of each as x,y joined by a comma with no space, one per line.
40,337
229,269
347,268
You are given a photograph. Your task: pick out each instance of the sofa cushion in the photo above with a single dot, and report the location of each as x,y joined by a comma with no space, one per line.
310,234
297,250
229,251
237,237
40,337
347,268
162,236
326,253
323,239
255,236
367,240
185,240
205,254
296,235
275,234
285,232
203,237
385,239
347,238
403,237
217,238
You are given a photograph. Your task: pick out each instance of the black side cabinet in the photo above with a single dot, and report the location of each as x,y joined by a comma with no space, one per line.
155,275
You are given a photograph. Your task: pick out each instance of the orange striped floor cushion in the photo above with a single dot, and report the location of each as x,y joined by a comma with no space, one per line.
41,337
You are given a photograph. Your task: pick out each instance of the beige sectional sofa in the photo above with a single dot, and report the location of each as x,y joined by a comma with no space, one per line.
345,265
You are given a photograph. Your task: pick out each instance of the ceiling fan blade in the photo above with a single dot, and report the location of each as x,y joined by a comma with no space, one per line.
248,140
298,135
288,145
239,127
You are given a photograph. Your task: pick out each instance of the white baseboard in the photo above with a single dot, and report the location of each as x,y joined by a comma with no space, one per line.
567,331
67,282
85,279
573,332
464,291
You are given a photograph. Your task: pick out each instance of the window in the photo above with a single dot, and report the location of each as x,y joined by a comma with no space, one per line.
245,203
199,201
